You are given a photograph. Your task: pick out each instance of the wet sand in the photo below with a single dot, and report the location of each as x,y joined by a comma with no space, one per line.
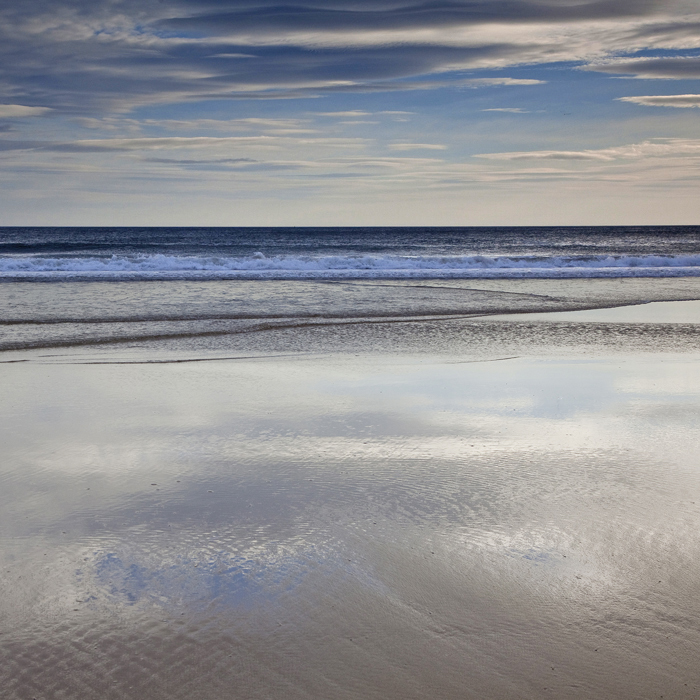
461,508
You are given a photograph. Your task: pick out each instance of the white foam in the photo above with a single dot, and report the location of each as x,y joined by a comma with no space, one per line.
257,266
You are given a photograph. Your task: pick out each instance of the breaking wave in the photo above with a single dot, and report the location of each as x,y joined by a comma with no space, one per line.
258,266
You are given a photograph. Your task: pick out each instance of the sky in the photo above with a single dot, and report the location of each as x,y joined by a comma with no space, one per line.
360,112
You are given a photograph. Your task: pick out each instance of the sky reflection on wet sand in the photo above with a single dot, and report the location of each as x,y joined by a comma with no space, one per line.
378,526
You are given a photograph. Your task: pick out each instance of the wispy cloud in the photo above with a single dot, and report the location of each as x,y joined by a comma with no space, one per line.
201,161
490,82
261,124
264,17
174,143
417,146
667,68
77,55
683,101
647,149
347,114
9,111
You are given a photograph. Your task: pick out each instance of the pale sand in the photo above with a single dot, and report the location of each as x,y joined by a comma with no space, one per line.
389,526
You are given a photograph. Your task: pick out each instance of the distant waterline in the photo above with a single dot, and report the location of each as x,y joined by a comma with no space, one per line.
347,253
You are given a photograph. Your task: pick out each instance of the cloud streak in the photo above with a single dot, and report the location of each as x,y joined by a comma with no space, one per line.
512,110
124,145
417,146
676,68
682,101
647,149
14,111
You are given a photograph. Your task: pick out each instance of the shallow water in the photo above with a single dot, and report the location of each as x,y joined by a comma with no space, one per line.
379,525
687,312
243,318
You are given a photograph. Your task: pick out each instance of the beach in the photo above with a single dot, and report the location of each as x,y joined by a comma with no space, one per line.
349,350
423,489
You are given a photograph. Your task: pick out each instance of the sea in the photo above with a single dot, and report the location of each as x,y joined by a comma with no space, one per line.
348,253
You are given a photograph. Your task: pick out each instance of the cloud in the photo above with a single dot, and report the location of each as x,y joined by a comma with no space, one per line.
490,82
86,57
512,110
350,114
155,144
648,149
333,16
545,155
9,111
664,100
248,165
415,146
676,68
266,125
201,161
409,85
125,145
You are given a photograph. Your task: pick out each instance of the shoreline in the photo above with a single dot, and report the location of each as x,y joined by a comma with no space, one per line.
267,317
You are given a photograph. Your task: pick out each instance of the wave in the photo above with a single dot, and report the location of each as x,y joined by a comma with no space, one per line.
258,266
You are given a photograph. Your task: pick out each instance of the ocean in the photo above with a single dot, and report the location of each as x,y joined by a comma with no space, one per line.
348,253
339,464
